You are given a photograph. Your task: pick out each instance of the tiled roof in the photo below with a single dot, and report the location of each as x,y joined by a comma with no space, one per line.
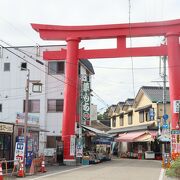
100,126
155,94
88,65
129,102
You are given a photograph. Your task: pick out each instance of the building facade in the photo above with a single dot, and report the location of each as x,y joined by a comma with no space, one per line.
138,122
45,108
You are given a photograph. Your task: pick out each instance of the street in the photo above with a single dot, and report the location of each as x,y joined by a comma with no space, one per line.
125,169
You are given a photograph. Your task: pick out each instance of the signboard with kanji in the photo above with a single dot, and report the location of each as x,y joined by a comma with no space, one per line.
79,149
176,106
72,145
19,152
85,100
175,138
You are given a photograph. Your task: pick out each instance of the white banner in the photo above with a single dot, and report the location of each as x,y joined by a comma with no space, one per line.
176,106
79,150
72,145
19,152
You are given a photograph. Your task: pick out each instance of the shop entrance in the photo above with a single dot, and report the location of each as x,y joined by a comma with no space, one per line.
5,146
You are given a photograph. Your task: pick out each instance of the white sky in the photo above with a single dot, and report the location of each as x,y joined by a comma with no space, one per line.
112,85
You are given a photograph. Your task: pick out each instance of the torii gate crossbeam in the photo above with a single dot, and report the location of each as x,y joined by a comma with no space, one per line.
74,34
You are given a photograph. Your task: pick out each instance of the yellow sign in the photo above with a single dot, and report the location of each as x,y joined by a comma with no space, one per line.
6,128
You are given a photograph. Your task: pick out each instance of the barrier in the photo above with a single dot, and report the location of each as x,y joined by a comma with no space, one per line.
42,169
21,172
5,167
35,165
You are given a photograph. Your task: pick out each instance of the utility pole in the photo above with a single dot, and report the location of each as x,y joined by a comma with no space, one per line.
37,87
164,84
26,114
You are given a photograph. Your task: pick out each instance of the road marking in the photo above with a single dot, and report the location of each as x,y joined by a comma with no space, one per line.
69,170
161,174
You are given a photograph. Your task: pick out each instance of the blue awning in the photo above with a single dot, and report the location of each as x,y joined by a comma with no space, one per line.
164,138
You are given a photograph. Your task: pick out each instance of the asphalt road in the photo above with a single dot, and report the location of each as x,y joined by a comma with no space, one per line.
118,169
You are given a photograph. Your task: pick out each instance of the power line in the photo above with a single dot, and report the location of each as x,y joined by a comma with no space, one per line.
132,65
37,67
31,57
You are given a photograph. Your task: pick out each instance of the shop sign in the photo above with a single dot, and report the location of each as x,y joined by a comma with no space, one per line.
31,119
8,128
176,106
85,101
72,145
175,140
49,151
79,149
19,152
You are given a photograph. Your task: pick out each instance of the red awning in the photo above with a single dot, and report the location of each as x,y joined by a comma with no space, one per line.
129,137
153,134
137,136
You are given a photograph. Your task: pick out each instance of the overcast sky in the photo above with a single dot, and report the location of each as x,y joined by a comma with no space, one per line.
113,77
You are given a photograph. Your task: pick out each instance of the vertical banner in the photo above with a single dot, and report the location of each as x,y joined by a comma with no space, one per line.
19,152
72,145
85,100
79,148
175,139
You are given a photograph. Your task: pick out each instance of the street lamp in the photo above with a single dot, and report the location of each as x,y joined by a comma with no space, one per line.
37,88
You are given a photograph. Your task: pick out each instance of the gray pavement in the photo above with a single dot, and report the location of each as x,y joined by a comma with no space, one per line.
117,169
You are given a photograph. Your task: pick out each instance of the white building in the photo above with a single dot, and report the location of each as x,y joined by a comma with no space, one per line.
48,105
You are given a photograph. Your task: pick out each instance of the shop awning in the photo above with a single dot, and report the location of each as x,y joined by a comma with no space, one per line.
142,136
129,137
164,138
145,138
96,131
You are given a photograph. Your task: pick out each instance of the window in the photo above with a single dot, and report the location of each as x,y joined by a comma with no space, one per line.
23,66
149,114
121,120
0,107
6,66
114,121
55,105
33,106
56,67
130,118
141,116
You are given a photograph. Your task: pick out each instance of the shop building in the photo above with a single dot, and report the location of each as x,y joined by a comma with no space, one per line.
6,140
137,123
45,108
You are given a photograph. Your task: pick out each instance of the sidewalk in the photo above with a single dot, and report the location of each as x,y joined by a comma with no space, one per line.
50,170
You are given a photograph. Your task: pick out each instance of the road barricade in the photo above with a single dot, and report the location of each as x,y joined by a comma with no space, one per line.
35,165
43,169
8,168
21,172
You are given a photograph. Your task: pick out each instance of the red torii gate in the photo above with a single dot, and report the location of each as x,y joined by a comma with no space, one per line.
74,34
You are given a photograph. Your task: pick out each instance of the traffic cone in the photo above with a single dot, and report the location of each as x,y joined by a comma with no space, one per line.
21,170
43,169
1,173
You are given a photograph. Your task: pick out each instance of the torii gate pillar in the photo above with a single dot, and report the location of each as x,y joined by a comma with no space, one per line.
70,99
174,74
